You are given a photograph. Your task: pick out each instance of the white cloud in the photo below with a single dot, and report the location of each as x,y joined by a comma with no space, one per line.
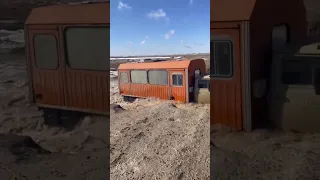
145,39
157,14
190,2
169,34
122,5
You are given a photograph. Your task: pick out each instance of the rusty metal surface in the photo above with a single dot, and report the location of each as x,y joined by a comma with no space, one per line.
47,84
161,91
227,14
148,90
261,26
231,10
159,65
195,65
226,93
88,90
178,92
97,13
66,88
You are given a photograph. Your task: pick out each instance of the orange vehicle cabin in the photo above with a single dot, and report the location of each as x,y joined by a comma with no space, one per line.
244,34
168,80
68,57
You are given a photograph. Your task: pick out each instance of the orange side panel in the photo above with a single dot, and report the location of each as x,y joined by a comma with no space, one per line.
88,90
148,90
50,85
225,93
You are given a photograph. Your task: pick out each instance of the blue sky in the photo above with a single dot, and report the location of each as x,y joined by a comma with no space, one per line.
158,27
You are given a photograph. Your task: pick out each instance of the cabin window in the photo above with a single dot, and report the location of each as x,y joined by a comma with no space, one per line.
139,76
124,77
46,53
158,77
221,63
87,48
177,79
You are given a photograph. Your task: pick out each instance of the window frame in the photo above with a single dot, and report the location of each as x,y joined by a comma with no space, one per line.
223,38
177,73
65,46
57,51
148,79
139,70
128,80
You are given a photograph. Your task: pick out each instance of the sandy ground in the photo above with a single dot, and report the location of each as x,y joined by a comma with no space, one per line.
152,139
78,154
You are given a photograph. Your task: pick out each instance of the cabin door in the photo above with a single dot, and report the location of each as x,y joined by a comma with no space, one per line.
47,68
124,82
178,90
225,81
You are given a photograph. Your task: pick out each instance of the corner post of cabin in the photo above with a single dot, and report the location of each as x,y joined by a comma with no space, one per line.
246,79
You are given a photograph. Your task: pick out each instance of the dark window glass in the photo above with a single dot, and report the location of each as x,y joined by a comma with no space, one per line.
159,77
222,58
139,76
46,53
177,80
88,48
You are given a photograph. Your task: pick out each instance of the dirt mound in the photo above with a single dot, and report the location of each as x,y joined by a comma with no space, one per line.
23,147
154,139
116,108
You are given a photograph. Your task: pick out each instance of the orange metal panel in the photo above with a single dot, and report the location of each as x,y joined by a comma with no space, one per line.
178,92
148,90
88,89
48,85
96,13
231,10
225,93
157,65
162,91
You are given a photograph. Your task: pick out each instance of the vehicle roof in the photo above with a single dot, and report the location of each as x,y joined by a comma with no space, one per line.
231,10
81,13
183,64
